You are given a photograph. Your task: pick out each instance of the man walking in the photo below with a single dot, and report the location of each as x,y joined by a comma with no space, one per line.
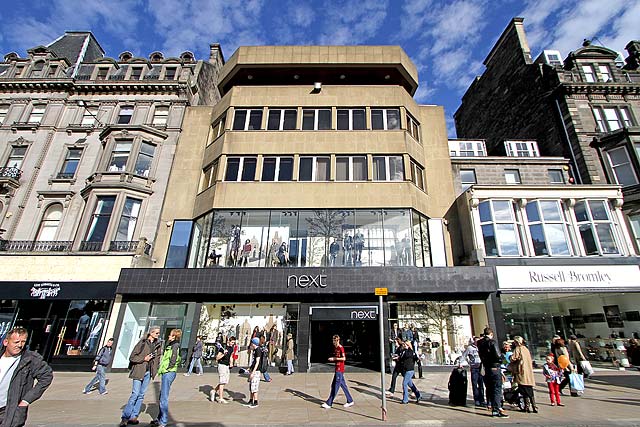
196,357
225,362
490,358
144,362
254,372
19,368
339,357
407,362
100,363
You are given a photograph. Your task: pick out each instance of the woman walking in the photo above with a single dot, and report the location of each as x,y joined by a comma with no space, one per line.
167,370
522,369
289,355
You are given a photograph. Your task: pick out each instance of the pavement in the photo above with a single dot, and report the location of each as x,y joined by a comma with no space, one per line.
611,398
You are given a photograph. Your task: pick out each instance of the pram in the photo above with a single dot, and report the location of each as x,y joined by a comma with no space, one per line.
510,392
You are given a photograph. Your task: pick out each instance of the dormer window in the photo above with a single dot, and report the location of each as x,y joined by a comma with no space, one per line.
136,73
102,73
589,73
170,73
53,70
605,73
521,148
36,71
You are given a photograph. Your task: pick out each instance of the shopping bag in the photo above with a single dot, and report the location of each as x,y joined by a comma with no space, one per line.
586,368
576,382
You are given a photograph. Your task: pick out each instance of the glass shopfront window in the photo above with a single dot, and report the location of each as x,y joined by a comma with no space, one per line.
273,321
139,317
602,322
300,238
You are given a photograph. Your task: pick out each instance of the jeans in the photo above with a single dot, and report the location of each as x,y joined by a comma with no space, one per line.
267,378
493,382
197,361
289,367
477,384
337,383
165,388
100,379
132,409
406,383
394,376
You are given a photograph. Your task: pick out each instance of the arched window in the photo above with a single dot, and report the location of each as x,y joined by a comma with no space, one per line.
50,222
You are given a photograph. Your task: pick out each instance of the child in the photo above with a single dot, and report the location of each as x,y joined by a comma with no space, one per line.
553,375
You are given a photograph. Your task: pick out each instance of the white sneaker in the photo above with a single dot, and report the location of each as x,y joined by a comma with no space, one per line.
388,393
223,401
348,404
187,375
325,406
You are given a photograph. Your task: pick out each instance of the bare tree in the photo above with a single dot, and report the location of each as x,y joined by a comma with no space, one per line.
439,317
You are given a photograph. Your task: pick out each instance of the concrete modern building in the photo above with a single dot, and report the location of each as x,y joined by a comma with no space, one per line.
584,108
316,179
564,258
86,147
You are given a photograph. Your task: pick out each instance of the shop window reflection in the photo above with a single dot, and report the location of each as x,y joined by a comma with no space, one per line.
83,328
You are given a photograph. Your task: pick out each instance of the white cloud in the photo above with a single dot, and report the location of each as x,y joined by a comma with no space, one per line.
351,23
424,93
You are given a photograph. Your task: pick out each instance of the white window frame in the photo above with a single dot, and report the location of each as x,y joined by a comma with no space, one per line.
276,175
385,118
551,171
4,112
517,174
37,114
604,118
593,225
314,168
466,185
387,172
521,149
16,161
413,127
542,221
133,218
589,73
417,175
605,73
247,118
515,220
316,118
128,111
627,163
68,158
350,171
120,154
350,115
467,149
140,154
240,168
160,115
281,113
46,223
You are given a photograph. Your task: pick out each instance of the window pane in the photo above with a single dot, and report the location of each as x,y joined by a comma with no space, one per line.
485,211
366,242
255,120
396,168
343,119
323,168
286,169
393,119
308,118
489,240
612,118
532,212
507,239
556,176
512,176
359,168
145,158
502,210
179,244
537,237
273,122
324,119
239,119
128,220
598,210
588,240
269,169
467,176
249,169
580,210
50,222
550,211
233,165
100,220
306,169
379,169
359,122
607,242
557,239
342,168
377,120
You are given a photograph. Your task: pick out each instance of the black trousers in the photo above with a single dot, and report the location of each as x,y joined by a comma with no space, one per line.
527,394
394,376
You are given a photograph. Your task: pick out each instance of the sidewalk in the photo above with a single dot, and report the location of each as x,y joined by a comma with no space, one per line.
611,398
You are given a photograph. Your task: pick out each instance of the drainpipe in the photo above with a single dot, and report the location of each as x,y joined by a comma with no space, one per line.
566,135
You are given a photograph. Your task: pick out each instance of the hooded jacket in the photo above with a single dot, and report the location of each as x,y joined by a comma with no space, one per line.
137,363
31,367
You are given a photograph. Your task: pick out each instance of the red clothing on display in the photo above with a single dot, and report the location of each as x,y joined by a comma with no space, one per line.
338,351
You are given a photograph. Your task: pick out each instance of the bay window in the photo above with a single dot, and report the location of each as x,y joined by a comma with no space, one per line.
122,160
120,156
548,228
595,227
417,175
144,160
500,228
413,127
97,231
621,166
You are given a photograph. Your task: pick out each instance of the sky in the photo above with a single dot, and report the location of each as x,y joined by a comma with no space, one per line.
447,40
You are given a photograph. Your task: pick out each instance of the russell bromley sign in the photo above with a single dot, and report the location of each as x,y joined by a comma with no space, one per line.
576,276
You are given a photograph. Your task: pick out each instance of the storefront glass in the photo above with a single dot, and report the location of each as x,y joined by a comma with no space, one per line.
602,322
219,321
140,316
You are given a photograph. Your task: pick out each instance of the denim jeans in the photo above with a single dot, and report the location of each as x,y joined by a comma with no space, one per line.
132,409
165,388
407,383
197,362
493,382
338,383
100,379
289,366
477,384
266,376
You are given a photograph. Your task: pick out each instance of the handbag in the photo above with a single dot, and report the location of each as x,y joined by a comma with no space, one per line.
576,382
586,368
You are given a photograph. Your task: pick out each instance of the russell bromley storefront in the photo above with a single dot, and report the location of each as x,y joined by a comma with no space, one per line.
597,300
310,303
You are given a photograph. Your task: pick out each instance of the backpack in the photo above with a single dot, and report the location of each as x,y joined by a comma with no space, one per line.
264,359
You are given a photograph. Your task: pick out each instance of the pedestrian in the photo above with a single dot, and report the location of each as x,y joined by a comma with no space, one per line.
407,361
339,358
560,349
100,363
225,363
196,357
393,334
254,372
289,354
144,361
167,371
264,363
397,366
472,357
19,368
553,375
491,358
577,356
522,369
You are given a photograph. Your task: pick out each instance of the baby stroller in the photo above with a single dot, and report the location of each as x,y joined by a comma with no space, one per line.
510,392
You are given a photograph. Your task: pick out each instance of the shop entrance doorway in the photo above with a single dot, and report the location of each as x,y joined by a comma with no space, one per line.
359,339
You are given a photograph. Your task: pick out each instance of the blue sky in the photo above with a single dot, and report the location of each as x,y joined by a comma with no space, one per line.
447,40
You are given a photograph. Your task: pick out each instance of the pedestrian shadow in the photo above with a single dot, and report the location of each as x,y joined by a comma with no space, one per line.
368,392
206,390
236,396
304,396
367,385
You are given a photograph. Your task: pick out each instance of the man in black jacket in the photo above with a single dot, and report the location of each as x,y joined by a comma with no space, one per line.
490,357
19,368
